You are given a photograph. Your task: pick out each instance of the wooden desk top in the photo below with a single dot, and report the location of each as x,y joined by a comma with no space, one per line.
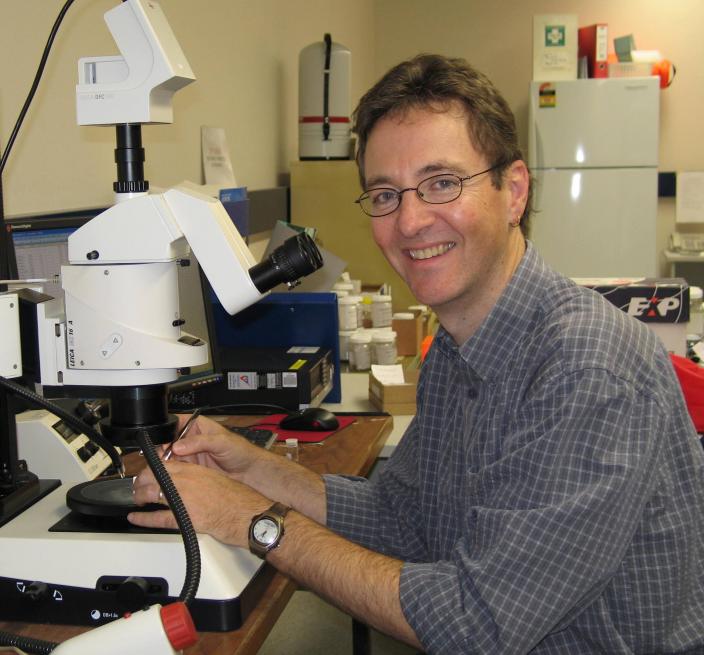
352,451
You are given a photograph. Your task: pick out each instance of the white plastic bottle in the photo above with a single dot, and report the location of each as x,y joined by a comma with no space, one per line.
381,311
384,350
347,313
360,351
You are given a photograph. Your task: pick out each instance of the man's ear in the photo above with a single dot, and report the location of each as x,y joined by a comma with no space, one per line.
517,182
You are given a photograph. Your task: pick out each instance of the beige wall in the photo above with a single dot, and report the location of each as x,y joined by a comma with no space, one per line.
244,54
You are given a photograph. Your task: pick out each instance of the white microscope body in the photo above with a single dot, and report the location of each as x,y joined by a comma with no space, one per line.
122,323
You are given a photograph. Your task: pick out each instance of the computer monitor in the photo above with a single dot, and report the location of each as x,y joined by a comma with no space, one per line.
41,244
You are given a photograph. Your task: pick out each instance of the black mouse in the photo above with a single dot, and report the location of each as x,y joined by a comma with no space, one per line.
310,418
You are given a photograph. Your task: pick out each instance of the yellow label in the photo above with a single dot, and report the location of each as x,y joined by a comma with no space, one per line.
547,96
297,364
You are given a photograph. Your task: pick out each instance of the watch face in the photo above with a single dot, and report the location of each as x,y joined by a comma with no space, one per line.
265,531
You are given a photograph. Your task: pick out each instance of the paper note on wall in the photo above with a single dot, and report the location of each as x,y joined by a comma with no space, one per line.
217,166
690,197
554,47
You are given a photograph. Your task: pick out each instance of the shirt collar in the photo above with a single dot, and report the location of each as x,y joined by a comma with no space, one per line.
497,341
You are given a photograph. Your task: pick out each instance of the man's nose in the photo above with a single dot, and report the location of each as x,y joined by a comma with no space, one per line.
414,215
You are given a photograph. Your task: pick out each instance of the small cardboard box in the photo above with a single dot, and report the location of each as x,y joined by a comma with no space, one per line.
398,399
409,334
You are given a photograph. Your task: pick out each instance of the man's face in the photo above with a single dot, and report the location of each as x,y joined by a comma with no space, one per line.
455,257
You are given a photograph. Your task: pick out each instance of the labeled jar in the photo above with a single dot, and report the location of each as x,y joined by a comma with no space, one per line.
347,313
360,351
366,311
344,337
384,350
360,310
381,311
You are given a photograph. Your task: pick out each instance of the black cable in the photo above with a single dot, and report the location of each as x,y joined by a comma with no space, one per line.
35,84
27,644
326,88
206,409
190,538
73,421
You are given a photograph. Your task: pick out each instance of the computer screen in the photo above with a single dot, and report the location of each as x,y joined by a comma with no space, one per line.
41,244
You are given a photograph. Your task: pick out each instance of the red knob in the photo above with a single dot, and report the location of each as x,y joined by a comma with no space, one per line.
178,626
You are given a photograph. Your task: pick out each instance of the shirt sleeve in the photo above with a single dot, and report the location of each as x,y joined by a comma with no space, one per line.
547,521
384,515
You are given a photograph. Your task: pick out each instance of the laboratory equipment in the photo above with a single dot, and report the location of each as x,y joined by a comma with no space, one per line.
118,328
593,148
324,128
56,450
156,630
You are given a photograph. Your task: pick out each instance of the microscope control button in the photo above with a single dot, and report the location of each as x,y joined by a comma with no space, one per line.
110,345
83,453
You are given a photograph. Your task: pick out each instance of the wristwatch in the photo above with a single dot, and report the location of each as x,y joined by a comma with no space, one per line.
266,530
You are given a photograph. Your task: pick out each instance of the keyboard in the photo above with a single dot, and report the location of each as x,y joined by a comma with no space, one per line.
257,436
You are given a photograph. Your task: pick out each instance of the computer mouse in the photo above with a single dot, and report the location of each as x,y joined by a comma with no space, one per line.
310,419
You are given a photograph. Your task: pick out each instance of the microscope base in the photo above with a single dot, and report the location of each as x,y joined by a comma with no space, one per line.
77,577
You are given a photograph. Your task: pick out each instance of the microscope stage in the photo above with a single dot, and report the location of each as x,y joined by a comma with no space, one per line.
78,577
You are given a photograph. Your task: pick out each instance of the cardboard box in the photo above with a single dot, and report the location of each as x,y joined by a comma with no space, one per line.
409,334
662,303
398,399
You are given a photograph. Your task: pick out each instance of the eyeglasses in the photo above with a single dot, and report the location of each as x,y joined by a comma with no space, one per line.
436,190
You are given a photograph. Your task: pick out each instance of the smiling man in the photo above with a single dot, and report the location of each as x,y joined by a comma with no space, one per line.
548,497
452,238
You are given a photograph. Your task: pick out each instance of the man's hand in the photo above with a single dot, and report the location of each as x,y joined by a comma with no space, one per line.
217,505
211,445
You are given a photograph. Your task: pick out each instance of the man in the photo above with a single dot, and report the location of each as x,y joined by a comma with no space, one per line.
549,495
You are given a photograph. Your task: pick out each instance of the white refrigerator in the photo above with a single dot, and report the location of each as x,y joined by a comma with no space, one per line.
593,149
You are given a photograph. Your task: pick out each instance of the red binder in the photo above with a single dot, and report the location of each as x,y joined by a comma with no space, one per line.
594,45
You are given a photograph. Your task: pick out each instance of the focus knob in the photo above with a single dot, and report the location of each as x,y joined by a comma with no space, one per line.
37,590
132,593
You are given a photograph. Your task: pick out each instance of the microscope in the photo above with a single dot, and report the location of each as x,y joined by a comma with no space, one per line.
118,327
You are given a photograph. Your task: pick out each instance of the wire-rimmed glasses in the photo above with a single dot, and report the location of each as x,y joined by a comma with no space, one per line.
436,190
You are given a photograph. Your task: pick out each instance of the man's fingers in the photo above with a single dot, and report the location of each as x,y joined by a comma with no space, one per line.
159,519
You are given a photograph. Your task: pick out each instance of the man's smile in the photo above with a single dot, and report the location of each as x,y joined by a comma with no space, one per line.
434,251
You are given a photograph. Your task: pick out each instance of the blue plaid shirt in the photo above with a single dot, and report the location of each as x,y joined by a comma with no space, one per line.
549,495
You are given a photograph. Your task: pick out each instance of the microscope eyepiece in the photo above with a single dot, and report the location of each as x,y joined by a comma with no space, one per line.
294,258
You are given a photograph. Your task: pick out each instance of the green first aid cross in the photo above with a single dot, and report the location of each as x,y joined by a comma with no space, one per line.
554,35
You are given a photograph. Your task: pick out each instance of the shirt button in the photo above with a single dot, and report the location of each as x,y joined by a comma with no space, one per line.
472,394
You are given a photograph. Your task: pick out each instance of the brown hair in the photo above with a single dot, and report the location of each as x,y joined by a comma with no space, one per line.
434,81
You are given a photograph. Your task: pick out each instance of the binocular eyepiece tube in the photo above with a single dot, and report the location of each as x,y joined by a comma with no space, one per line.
293,259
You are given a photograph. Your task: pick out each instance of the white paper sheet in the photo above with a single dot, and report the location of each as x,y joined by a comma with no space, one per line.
690,197
216,158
